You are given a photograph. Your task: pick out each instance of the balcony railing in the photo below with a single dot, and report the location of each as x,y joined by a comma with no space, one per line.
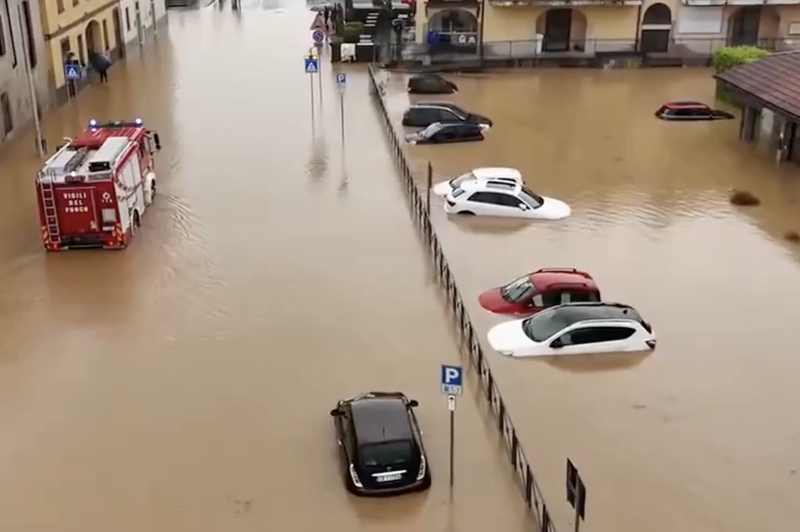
565,3
679,48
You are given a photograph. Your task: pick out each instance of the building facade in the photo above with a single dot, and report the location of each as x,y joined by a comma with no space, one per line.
525,28
141,18
22,51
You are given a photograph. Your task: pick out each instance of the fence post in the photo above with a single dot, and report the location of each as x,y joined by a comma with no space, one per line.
430,184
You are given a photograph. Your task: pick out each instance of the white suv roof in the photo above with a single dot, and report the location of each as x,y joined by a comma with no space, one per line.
497,172
484,184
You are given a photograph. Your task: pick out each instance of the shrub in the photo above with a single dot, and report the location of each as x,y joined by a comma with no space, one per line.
734,56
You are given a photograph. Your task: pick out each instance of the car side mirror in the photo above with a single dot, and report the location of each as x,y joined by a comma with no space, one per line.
413,403
557,343
523,207
157,141
335,412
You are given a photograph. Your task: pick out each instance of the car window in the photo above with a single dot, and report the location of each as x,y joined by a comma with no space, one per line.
461,179
531,198
517,290
507,200
447,132
544,325
581,296
429,131
386,453
450,115
458,192
537,301
593,335
551,298
482,197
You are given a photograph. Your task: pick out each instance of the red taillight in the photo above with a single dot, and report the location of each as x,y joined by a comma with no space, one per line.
651,344
451,203
110,243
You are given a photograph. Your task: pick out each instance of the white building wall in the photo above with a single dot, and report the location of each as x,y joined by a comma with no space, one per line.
151,14
13,67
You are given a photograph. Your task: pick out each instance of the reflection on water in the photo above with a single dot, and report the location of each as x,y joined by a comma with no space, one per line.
594,363
699,435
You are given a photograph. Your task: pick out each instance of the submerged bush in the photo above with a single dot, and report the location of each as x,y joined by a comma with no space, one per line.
743,198
734,56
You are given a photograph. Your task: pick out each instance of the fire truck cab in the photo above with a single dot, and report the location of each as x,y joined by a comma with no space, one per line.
95,189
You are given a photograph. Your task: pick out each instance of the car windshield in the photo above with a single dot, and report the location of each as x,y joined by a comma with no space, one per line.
458,192
386,453
544,325
461,179
519,290
531,198
431,129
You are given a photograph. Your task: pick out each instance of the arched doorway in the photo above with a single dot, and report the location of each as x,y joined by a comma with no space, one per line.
455,29
94,38
656,28
564,29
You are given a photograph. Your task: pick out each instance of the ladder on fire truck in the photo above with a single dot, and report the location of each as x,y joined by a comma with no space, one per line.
48,193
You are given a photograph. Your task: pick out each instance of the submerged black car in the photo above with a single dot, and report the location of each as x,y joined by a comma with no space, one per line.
440,133
380,444
423,114
690,111
431,84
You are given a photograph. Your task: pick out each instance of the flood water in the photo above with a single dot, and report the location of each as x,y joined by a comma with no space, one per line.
702,435
185,383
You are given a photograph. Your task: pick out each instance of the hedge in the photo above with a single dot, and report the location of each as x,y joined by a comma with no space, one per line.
734,56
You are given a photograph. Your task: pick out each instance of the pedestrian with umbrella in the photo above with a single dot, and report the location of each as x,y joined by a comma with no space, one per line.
101,63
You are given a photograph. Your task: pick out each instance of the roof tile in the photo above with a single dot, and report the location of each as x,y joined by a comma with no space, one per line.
774,79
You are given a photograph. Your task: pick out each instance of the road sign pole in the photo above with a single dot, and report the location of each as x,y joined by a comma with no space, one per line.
311,86
577,511
319,76
451,405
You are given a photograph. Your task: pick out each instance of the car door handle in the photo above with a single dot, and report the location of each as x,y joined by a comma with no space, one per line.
339,443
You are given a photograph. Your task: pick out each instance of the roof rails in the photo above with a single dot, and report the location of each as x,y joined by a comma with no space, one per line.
563,270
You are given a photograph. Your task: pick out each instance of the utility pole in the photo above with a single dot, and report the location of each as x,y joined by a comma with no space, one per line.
31,85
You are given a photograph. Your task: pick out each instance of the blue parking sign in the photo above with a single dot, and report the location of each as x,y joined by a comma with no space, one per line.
452,380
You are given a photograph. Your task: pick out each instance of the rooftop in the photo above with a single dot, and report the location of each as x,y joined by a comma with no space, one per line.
379,420
545,278
775,80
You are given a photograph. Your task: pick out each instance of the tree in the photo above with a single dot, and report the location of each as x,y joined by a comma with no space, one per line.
734,56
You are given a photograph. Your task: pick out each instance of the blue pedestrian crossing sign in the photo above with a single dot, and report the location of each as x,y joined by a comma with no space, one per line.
452,380
312,65
72,71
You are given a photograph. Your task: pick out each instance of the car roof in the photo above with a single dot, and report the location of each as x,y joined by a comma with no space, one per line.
545,278
685,105
425,76
495,172
381,419
572,313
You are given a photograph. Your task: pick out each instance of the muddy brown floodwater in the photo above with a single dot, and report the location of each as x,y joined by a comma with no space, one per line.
184,384
703,434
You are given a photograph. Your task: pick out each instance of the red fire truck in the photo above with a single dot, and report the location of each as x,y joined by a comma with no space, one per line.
94,191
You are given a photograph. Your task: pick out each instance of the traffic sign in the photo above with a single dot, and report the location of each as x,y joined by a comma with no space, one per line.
452,379
312,66
72,71
318,36
341,80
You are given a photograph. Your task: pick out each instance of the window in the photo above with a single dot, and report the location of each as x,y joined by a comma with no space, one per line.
106,43
386,453
2,39
65,48
518,290
531,198
26,20
594,335
582,297
429,131
127,19
75,2
482,197
449,116
551,298
545,324
507,200
458,192
60,6
5,111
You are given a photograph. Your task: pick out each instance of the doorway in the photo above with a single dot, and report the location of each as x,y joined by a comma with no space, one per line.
744,26
656,28
557,29
118,35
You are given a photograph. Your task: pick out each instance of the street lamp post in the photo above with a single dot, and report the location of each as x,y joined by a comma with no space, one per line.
31,85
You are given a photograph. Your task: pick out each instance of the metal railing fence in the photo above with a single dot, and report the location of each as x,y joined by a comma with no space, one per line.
469,342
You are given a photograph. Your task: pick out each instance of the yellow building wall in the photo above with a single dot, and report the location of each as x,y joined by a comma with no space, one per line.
73,22
515,23
788,15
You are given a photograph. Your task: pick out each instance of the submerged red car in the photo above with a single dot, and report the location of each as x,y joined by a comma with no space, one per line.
539,290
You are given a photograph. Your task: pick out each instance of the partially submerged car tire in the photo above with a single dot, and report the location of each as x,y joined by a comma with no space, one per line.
467,213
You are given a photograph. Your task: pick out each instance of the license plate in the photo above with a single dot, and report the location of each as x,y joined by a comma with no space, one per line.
388,477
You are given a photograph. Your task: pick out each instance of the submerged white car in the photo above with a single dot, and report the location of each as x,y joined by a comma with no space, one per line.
575,329
494,198
501,175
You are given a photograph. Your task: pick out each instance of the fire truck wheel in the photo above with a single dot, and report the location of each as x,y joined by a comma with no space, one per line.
136,222
153,191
